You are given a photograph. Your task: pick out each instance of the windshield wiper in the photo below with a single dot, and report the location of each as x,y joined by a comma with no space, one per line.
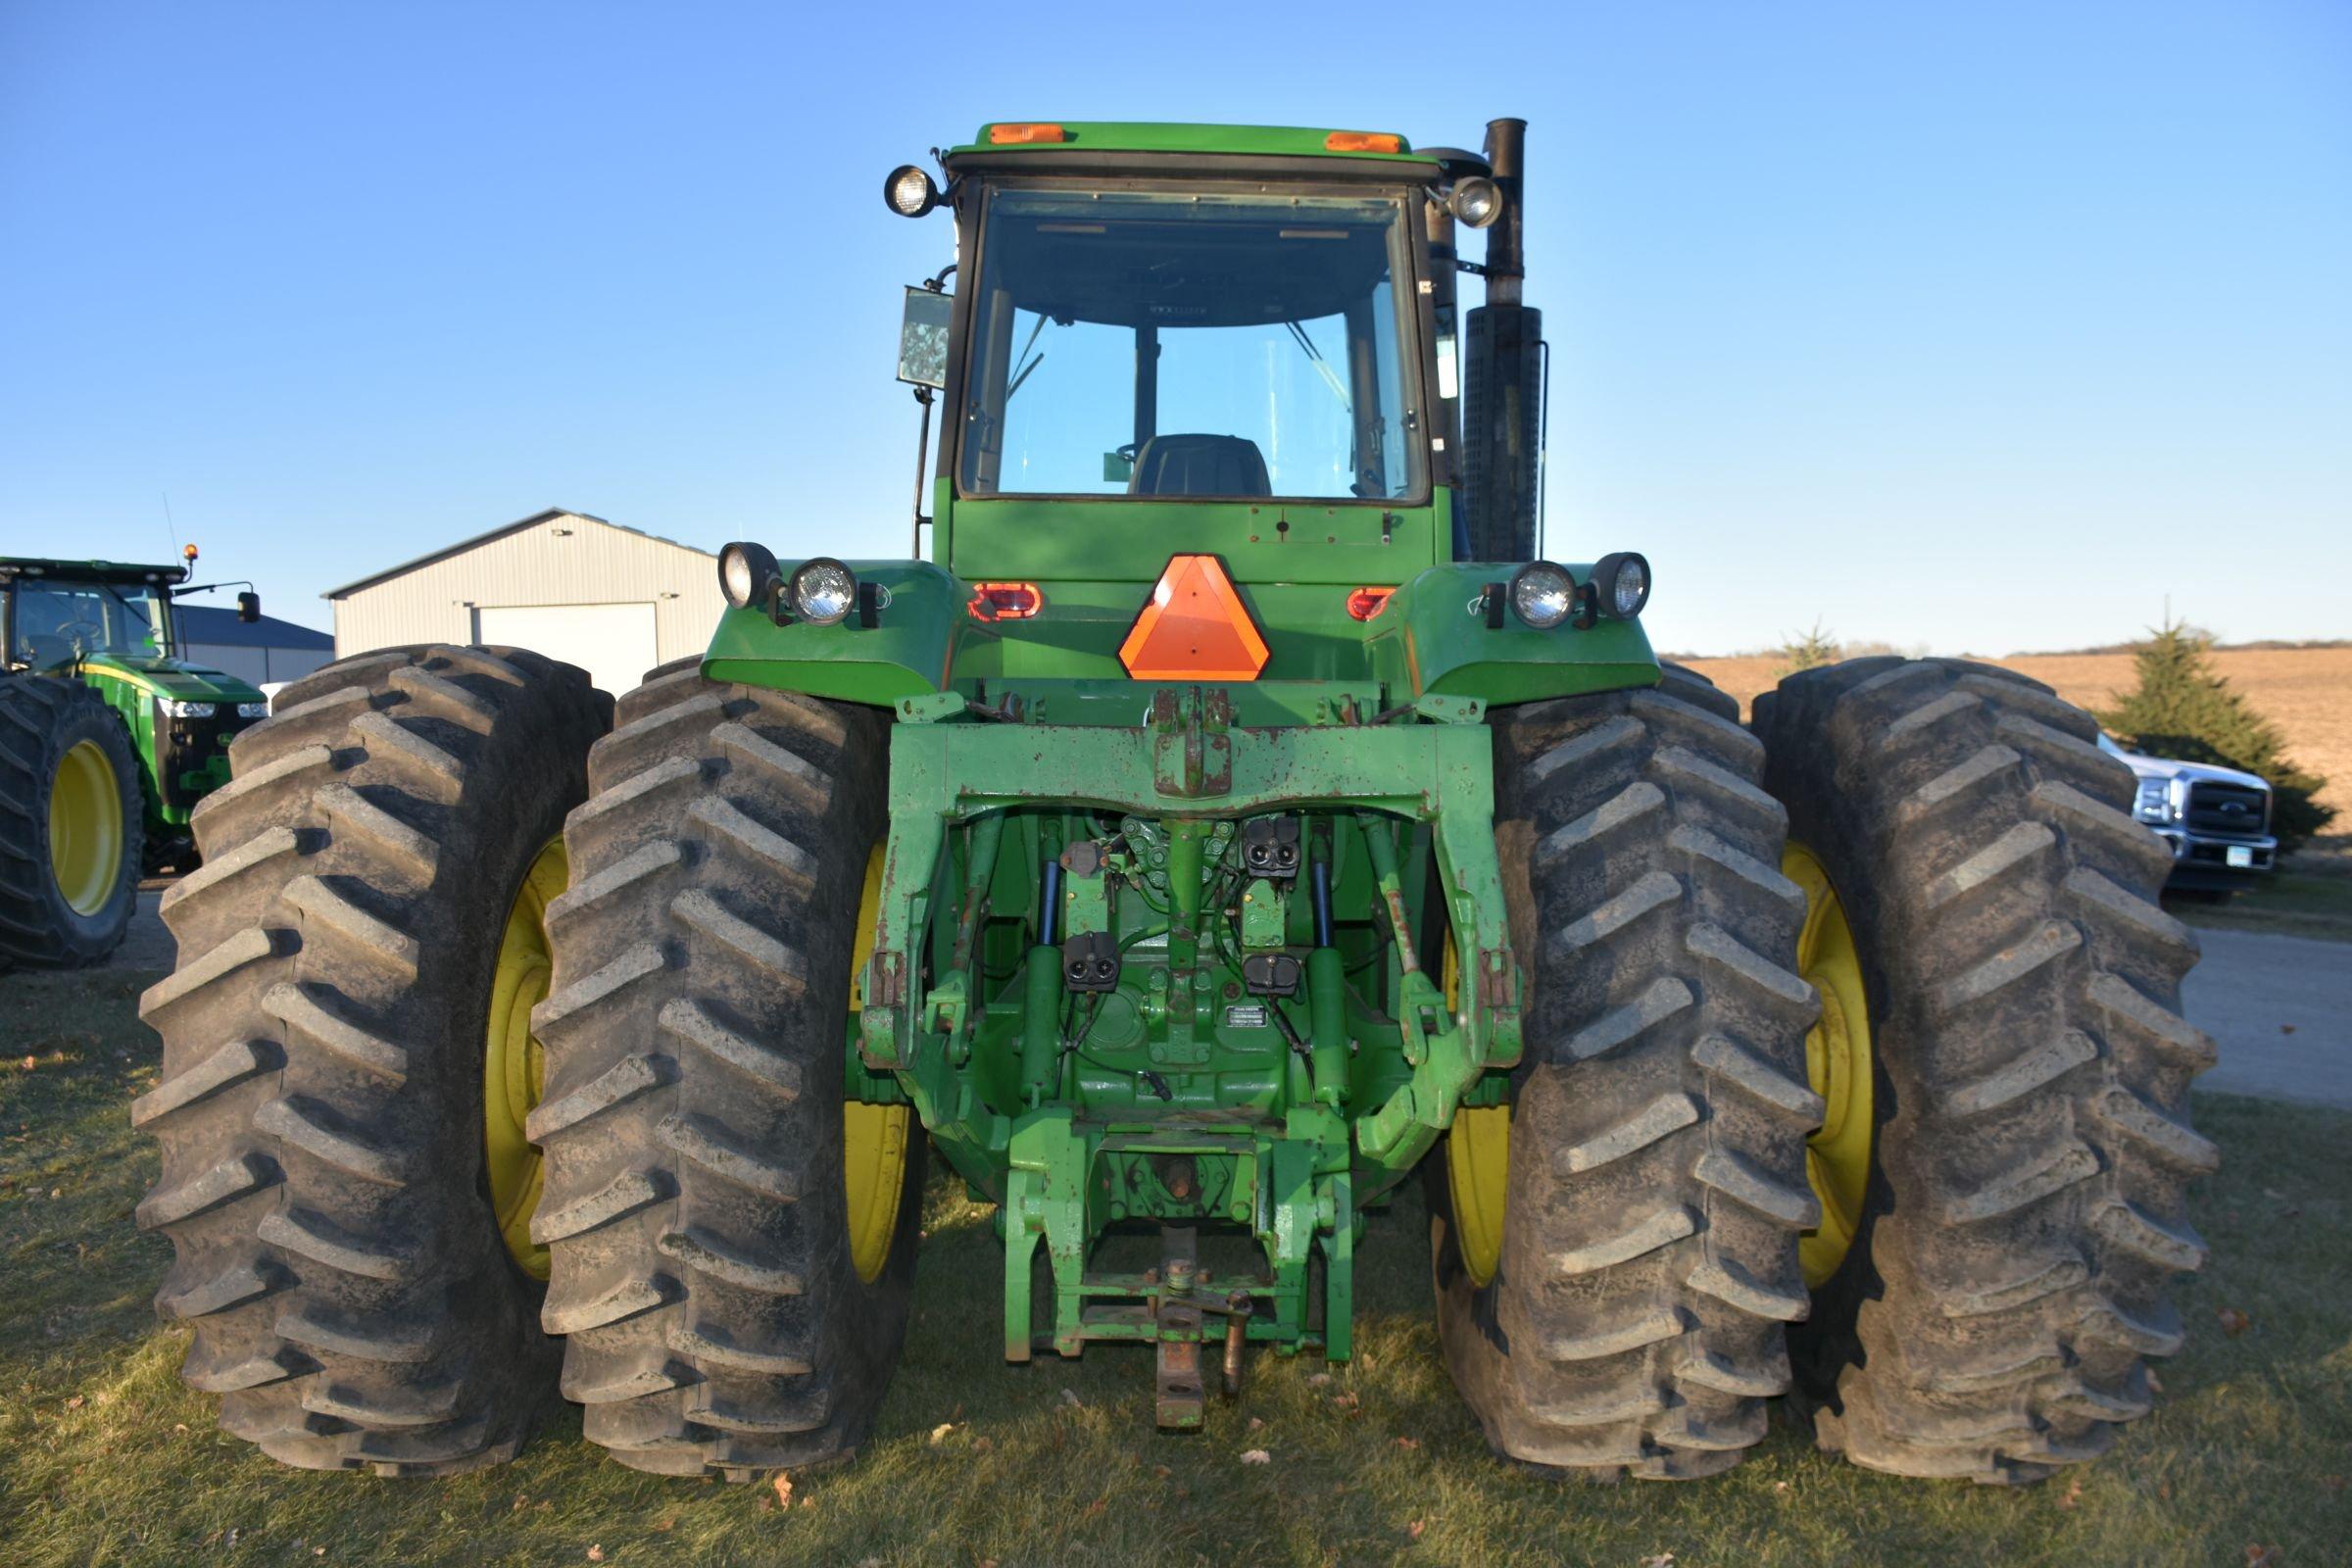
1022,359
1314,356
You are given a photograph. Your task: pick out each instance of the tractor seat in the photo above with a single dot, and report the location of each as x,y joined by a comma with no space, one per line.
1199,466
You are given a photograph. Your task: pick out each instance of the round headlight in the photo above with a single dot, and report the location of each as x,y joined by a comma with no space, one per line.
1542,594
823,591
1622,580
747,573
910,191
1475,201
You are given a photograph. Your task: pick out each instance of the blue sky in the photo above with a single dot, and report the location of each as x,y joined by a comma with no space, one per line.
1981,327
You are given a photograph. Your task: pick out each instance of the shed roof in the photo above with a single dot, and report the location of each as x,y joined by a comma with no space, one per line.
218,627
500,532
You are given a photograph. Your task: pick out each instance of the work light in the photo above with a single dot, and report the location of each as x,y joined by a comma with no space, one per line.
910,191
747,573
822,591
1622,582
1542,594
1475,200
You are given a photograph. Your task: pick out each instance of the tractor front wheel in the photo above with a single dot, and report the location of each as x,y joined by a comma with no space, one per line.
70,824
732,1239
2005,1151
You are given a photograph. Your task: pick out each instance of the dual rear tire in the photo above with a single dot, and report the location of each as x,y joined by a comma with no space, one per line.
1935,1185
379,1270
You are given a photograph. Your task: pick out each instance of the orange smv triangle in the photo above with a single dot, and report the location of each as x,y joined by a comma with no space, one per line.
1193,627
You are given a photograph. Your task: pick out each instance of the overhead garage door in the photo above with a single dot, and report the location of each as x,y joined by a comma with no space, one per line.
612,643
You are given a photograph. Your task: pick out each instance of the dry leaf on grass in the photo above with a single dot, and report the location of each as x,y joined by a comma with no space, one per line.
1415,1528
2262,1556
1408,1443
939,1433
596,1554
2233,1321
1257,1456
783,1490
1664,1559
2073,1496
1319,1380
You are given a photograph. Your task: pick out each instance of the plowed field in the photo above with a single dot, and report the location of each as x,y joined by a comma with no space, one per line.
2306,690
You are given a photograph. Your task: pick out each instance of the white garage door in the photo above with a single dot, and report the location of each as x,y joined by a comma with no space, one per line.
612,643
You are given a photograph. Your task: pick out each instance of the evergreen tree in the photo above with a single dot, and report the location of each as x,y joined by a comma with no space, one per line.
2181,708
1810,650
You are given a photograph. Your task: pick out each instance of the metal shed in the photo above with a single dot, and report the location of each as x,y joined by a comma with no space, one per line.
612,600
264,652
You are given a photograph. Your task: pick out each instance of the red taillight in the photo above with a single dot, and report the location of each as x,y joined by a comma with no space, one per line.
1005,601
1366,602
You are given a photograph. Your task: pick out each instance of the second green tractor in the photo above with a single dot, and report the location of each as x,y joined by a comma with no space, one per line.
1234,820
108,740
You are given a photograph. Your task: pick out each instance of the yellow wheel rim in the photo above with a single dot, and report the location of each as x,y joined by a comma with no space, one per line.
1838,1065
513,1067
1478,1164
85,828
873,1137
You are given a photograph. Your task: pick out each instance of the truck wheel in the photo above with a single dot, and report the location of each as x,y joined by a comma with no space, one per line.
733,1239
2006,1149
70,824
1616,1250
338,1042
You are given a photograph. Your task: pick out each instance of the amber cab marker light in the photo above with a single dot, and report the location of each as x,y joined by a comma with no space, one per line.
1193,627
1366,602
1025,134
1005,601
1363,141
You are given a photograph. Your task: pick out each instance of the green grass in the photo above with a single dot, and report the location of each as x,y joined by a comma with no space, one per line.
105,1458
2309,895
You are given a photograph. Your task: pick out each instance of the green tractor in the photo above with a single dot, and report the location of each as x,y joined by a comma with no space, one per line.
106,743
1234,818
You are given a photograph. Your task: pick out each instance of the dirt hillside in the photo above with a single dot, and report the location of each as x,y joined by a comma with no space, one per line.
2307,691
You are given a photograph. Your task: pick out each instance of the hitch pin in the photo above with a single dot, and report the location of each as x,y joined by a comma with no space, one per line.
1238,1308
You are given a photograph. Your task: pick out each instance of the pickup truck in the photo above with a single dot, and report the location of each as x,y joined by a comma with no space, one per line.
2216,820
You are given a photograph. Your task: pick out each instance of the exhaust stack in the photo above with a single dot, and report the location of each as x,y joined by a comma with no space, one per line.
1503,384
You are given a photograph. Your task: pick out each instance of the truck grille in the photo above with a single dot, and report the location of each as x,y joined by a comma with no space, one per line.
2230,809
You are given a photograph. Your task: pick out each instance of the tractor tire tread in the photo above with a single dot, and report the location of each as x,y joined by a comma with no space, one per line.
696,1055
1635,1322
350,1300
2029,1200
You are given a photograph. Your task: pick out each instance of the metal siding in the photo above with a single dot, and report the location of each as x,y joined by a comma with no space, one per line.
591,563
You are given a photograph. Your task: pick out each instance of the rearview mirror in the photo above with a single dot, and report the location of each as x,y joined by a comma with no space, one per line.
923,338
249,607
